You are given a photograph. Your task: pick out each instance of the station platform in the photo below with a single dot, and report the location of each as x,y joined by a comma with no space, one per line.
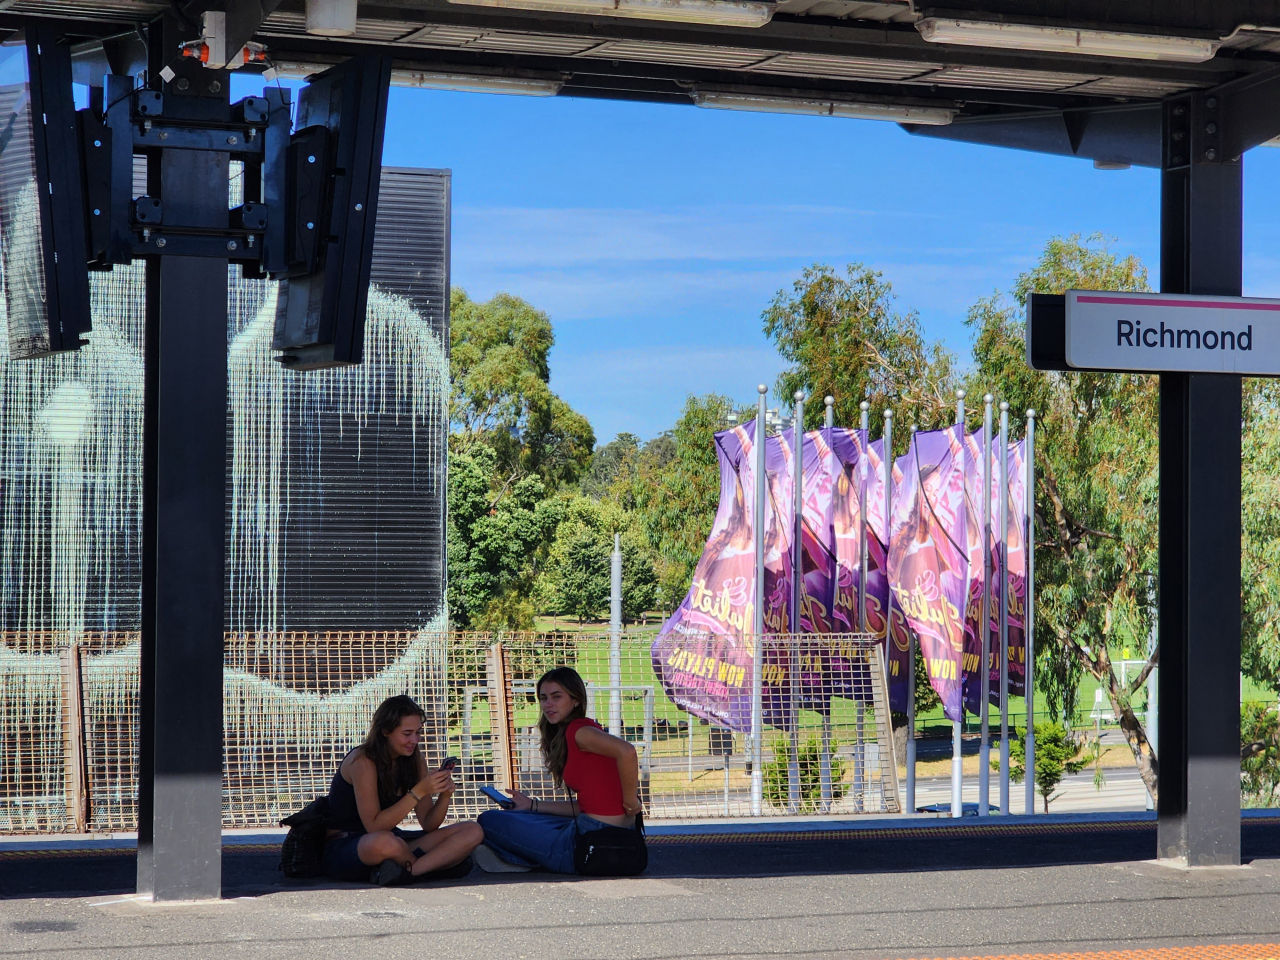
1066,887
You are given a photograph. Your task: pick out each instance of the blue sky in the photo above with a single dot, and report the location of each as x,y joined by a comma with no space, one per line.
654,236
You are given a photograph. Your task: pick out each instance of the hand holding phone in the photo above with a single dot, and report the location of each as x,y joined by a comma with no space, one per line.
497,796
448,763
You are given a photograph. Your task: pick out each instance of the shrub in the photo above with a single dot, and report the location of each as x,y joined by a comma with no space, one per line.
1058,753
777,783
1259,754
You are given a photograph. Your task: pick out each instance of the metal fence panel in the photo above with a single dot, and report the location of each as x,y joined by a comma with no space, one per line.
295,703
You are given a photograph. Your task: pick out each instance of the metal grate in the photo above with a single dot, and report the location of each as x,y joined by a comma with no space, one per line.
294,704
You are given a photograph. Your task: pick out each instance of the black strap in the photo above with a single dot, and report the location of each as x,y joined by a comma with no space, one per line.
639,824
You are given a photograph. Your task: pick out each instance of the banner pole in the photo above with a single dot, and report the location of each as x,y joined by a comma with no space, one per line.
615,638
797,596
984,749
824,766
911,680
864,427
757,625
1030,540
1004,607
865,441
957,725
886,469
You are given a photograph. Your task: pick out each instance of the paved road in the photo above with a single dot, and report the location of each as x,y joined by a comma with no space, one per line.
1122,791
918,890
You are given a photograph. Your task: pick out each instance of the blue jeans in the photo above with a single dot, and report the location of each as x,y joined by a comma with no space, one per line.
535,839
341,857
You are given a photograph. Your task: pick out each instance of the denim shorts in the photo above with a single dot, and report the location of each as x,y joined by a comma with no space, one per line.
341,858
535,839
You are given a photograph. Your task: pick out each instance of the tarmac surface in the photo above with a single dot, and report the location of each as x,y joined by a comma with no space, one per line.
1067,886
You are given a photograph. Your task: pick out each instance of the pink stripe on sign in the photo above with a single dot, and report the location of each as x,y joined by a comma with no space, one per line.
1202,304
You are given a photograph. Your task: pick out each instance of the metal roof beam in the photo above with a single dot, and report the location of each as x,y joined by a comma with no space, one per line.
452,60
1128,134
891,42
1186,17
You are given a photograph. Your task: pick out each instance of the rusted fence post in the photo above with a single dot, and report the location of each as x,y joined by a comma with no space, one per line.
75,774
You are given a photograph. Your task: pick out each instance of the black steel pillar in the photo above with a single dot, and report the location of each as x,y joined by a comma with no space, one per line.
184,482
1200,414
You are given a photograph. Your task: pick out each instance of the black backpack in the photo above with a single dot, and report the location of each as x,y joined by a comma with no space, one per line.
611,851
303,848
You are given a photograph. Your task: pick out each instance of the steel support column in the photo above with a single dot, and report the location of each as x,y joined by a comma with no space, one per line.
184,470
1199,723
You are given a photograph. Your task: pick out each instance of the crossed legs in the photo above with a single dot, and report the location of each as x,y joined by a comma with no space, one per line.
432,851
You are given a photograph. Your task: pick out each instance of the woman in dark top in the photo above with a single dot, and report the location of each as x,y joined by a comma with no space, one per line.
375,788
601,769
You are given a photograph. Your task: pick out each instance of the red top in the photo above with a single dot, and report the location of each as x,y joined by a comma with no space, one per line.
592,776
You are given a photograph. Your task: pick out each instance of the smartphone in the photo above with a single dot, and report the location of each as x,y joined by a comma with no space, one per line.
448,763
497,796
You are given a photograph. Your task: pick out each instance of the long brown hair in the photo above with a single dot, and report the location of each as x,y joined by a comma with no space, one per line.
555,749
396,773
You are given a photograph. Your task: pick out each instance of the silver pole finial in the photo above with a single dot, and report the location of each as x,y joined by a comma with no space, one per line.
960,394
988,398
762,389
864,405
1004,406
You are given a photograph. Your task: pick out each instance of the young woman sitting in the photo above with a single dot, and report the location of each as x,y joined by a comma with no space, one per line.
375,788
602,770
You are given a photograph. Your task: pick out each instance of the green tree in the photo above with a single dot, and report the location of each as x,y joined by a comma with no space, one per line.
1058,753
777,774
1097,488
494,542
1260,754
1260,530
502,396
577,577
844,338
676,490
614,460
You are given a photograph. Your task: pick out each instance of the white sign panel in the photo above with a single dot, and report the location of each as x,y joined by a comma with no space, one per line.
1172,332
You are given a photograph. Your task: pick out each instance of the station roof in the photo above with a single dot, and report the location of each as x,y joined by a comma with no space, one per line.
842,57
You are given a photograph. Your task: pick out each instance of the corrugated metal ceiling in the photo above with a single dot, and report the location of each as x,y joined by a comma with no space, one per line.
413,36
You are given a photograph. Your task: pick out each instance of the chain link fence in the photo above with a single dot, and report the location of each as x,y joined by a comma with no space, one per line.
295,703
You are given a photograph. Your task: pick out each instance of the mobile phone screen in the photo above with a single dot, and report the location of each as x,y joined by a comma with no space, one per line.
497,796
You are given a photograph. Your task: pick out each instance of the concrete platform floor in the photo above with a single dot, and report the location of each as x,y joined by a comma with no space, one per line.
879,889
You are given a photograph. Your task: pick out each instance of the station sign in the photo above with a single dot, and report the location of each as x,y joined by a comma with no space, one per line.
1154,333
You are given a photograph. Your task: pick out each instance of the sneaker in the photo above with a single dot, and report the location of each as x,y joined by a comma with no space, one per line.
389,873
456,872
488,861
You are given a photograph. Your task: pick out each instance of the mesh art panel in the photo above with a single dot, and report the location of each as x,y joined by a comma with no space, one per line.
335,538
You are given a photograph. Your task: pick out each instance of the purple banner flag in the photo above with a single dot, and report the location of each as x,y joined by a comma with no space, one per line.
1015,570
928,565
704,652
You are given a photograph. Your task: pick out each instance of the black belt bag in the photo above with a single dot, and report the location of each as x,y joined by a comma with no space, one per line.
610,851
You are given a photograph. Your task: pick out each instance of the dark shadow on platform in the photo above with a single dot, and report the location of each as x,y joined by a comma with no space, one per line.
249,872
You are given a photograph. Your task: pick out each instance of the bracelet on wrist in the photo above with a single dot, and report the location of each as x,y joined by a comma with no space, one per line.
416,798
533,805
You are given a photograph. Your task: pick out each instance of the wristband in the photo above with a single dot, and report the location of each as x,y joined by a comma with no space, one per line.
534,804
416,798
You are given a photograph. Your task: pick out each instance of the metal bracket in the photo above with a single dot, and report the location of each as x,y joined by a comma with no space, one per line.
1177,133
122,227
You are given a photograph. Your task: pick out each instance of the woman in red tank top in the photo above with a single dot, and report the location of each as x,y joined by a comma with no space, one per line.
602,771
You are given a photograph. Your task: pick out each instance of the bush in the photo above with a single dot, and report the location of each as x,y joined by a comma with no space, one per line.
777,784
1058,752
1259,754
